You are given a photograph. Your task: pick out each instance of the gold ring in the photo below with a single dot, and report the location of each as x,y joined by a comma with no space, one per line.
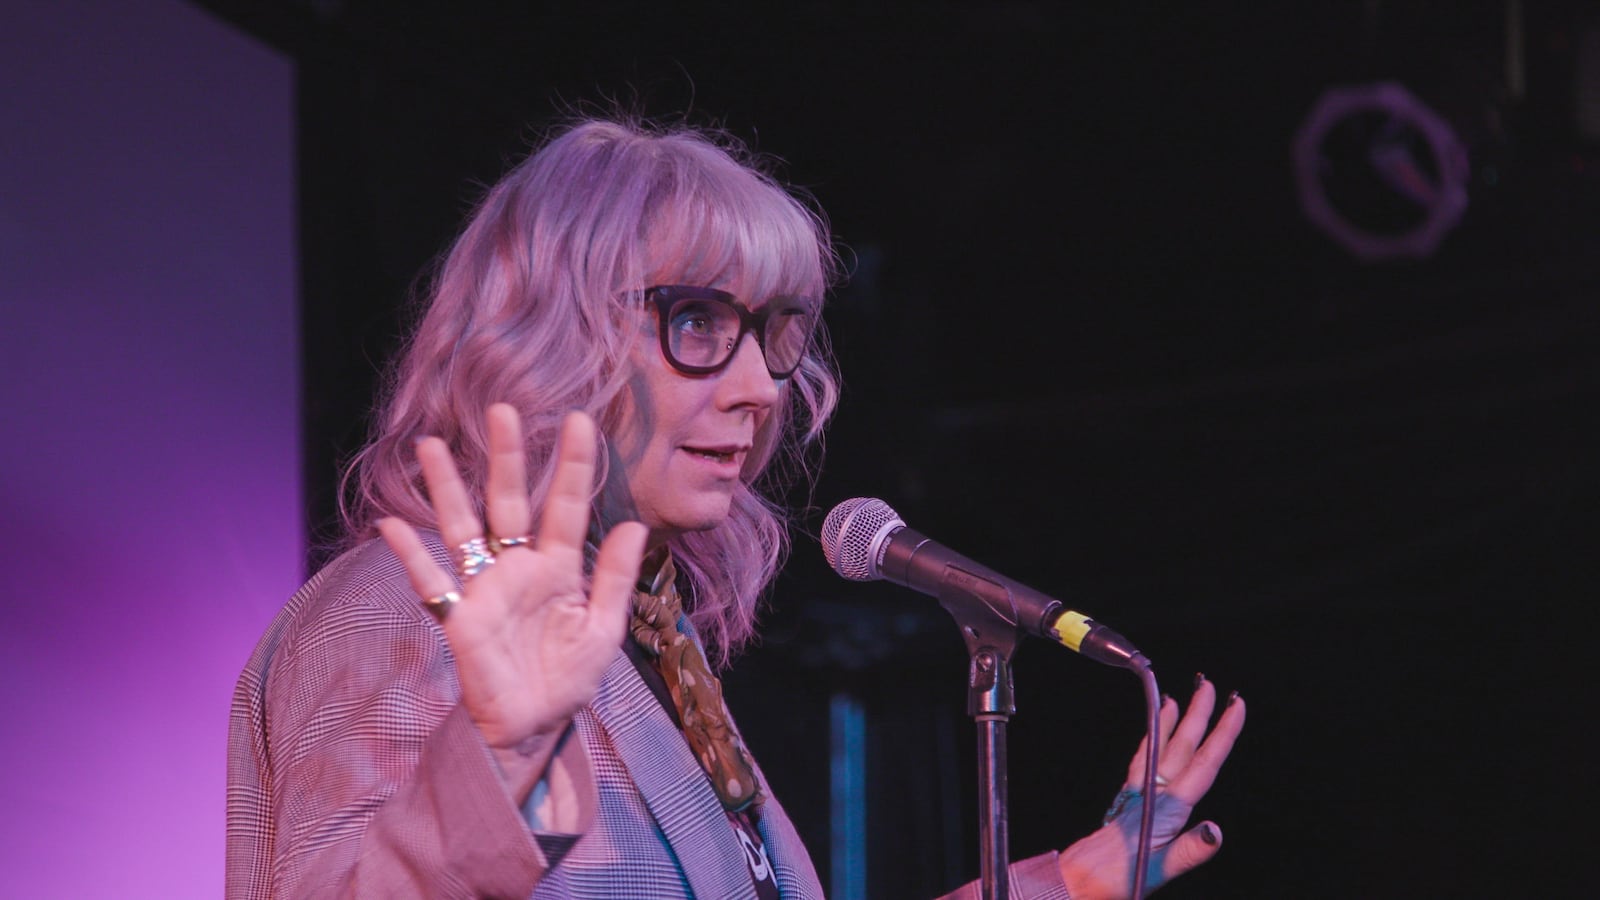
441,604
496,544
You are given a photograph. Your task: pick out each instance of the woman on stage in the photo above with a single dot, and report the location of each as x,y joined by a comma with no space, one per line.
506,685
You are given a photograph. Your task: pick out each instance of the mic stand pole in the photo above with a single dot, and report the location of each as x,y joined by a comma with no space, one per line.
990,642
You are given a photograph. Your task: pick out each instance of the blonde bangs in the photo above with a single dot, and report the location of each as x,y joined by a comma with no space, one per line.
720,224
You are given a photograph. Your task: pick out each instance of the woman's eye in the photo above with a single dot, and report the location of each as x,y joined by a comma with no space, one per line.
694,321
695,325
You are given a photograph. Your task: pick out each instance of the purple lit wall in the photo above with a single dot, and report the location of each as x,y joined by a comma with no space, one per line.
149,487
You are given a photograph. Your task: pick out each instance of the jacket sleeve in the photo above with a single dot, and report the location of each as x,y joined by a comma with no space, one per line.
378,784
1034,878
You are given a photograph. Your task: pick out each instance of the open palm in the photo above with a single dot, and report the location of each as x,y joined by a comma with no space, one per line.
530,641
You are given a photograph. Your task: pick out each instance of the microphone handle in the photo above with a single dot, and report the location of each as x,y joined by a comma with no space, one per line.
911,559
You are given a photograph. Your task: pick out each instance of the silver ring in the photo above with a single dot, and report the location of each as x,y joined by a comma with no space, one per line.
497,544
476,556
1161,780
441,604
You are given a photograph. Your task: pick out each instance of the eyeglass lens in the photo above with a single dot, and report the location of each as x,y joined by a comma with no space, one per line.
704,333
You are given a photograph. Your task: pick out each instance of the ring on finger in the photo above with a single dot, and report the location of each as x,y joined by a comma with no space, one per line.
476,555
441,604
497,544
1161,780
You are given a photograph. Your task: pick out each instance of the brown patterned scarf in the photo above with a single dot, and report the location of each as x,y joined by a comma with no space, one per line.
696,692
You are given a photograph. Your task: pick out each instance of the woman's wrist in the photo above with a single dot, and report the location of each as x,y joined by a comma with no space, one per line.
522,764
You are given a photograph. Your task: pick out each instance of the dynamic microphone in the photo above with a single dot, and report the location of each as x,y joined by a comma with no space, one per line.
865,540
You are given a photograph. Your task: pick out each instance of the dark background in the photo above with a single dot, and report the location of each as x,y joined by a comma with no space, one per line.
1091,341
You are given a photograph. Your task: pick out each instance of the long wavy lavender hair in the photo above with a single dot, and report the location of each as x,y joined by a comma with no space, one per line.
530,307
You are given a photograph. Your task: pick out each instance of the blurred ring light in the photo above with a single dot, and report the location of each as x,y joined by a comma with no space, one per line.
1379,172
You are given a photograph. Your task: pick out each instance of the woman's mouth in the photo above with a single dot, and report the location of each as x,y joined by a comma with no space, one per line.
722,456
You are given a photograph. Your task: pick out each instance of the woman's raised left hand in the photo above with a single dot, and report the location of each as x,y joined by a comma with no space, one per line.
1100,866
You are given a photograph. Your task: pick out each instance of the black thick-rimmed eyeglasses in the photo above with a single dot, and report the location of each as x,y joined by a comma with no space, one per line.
701,329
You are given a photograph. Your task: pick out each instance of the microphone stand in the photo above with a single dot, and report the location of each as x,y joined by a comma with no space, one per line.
991,640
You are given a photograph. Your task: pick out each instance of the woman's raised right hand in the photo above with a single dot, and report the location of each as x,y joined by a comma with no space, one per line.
530,644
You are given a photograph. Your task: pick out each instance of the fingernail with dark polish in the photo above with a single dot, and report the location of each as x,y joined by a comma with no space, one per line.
1199,679
1165,698
1208,834
1232,697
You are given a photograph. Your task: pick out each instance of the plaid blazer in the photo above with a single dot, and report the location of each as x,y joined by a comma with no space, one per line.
353,770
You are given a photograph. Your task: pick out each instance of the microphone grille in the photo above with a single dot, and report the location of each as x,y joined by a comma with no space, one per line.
853,534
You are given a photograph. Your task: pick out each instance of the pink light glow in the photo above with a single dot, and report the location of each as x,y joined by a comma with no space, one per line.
149,472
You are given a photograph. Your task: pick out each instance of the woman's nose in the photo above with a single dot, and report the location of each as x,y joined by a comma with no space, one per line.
746,381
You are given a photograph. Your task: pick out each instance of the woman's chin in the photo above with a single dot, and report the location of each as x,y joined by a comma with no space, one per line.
703,516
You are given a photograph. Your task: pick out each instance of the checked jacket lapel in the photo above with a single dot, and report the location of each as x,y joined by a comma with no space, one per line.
679,797
797,879
674,787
